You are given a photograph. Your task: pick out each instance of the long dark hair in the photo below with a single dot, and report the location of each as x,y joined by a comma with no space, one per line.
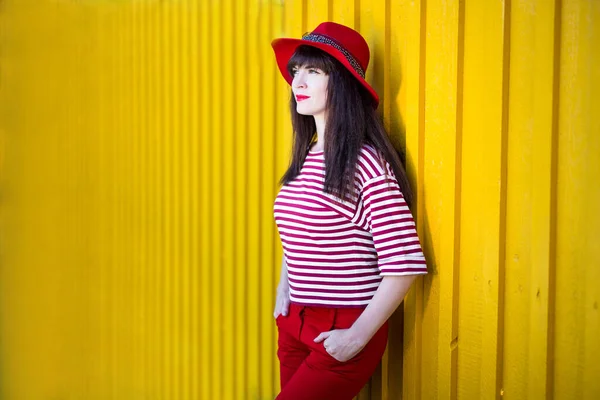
351,122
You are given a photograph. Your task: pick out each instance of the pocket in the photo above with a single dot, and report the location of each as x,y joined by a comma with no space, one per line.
281,319
344,318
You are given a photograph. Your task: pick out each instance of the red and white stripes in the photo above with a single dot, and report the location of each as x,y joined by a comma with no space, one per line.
336,252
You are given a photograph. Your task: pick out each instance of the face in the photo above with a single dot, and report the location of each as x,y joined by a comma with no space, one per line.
310,89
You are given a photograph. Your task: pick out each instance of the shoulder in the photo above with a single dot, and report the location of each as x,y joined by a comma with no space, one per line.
371,164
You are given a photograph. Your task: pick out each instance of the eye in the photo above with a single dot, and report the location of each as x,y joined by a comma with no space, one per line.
314,71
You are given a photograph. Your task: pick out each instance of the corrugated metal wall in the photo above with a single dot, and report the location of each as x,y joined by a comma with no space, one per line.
141,144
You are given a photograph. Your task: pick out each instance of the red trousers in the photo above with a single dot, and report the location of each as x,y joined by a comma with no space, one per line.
307,371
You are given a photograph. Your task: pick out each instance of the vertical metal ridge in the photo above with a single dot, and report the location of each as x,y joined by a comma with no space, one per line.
259,197
166,244
205,349
143,176
266,190
180,364
276,28
186,54
415,145
252,201
243,135
131,212
131,289
119,248
195,187
145,195
305,16
236,327
120,219
387,118
553,234
281,153
170,138
212,368
184,216
137,189
356,15
108,124
460,70
503,196
154,254
162,383
218,119
419,203
122,332
387,39
102,124
219,209
114,299
227,168
177,203
151,173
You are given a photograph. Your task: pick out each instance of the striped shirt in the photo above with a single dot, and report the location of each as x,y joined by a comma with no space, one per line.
337,252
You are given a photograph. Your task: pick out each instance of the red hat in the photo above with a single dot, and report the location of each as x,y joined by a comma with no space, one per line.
343,43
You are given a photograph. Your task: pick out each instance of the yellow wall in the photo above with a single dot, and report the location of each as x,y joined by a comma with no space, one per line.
140,147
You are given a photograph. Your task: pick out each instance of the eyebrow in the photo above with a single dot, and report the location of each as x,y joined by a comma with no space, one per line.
305,66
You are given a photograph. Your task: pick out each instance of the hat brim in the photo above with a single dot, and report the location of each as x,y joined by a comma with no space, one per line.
284,49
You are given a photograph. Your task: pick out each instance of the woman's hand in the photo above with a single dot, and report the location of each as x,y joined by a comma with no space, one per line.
282,303
341,344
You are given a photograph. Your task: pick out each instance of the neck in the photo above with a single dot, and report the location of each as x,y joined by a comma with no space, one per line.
320,124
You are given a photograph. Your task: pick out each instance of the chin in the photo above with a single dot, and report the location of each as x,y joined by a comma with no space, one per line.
306,111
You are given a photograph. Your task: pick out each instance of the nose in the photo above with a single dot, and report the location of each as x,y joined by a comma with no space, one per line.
299,80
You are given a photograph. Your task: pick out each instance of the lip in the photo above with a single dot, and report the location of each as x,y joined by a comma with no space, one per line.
300,97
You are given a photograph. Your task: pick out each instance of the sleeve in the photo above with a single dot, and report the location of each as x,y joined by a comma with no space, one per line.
391,223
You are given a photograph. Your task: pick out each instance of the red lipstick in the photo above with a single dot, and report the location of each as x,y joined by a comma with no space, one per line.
300,97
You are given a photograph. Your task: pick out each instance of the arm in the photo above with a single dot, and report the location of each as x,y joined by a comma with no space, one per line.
388,297
343,344
282,301
283,278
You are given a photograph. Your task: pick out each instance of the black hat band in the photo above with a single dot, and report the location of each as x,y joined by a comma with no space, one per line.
315,37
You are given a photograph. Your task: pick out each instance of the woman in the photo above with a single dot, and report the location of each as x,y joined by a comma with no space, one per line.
350,247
